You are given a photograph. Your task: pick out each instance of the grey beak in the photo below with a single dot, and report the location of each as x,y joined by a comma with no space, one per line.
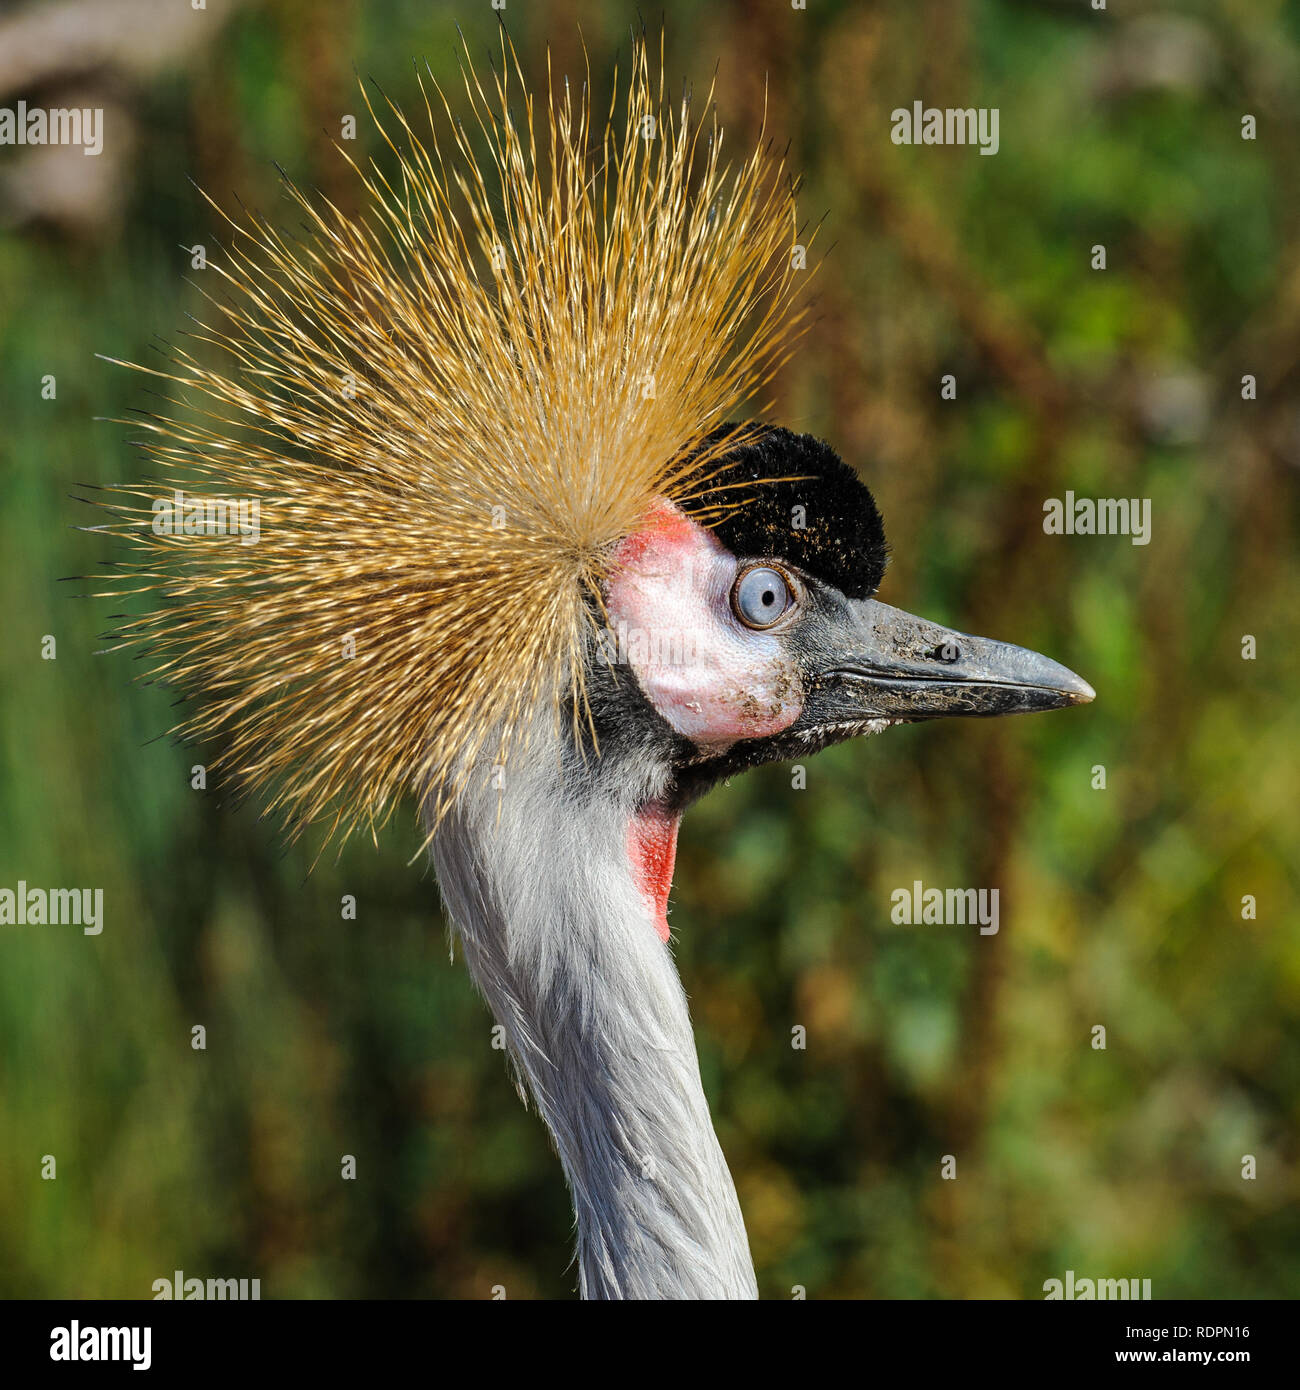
874,661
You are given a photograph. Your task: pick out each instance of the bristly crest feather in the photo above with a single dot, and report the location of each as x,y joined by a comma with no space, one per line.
449,410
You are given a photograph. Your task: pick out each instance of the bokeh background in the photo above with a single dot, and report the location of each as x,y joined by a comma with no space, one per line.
1120,907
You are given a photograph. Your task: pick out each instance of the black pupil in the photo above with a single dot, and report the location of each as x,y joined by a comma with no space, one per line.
769,598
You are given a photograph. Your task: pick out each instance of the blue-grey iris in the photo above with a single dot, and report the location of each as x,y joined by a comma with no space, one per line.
761,596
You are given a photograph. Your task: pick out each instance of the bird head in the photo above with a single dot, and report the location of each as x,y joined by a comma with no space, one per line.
492,487
759,637
741,626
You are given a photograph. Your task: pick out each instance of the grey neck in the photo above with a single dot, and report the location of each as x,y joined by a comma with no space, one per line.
537,881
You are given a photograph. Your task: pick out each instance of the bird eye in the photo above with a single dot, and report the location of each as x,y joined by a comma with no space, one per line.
760,596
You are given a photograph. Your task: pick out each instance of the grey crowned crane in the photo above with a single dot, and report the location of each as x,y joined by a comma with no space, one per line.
509,558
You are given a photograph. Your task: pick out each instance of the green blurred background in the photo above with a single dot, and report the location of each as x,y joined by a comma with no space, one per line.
1120,907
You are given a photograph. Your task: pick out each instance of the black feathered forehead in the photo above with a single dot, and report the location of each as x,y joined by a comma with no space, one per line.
825,523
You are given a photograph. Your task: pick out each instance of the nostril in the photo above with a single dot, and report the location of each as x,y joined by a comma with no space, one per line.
946,651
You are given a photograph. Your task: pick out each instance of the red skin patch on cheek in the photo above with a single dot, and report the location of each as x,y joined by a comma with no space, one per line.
652,850
667,531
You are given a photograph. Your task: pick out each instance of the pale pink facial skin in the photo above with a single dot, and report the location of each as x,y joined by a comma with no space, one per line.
713,679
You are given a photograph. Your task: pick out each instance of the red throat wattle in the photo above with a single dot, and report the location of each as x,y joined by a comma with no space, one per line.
652,849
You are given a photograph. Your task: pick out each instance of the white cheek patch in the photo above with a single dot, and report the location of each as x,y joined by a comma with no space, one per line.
713,679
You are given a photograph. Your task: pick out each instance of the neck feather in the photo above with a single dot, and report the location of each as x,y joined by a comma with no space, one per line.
561,937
